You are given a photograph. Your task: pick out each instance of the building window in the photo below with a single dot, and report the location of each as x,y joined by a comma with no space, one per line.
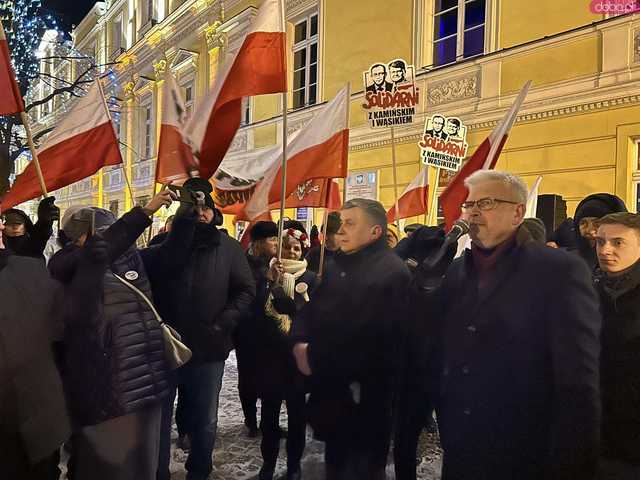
305,62
149,11
189,98
246,111
117,40
147,132
113,207
459,30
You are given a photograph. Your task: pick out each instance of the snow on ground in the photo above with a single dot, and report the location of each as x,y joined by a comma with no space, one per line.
237,457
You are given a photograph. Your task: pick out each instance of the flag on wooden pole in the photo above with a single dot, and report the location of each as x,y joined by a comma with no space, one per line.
82,143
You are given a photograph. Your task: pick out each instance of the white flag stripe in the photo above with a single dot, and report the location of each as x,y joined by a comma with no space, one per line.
2,35
327,122
86,115
532,200
268,19
420,180
172,102
495,138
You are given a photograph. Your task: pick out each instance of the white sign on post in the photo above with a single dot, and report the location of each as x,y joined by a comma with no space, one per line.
391,95
444,142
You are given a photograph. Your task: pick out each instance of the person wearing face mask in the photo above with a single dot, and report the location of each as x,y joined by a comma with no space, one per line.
23,237
517,366
588,211
346,340
204,297
34,421
618,283
114,369
263,247
285,290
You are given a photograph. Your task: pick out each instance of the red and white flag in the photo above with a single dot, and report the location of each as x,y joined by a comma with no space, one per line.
175,159
82,143
484,158
10,96
413,201
318,150
532,199
258,68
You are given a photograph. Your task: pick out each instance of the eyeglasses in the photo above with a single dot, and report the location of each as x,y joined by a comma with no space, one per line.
484,204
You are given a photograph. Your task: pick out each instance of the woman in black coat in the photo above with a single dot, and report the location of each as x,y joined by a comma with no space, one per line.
115,371
285,290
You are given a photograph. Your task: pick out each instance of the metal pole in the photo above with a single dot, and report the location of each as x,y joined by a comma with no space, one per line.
283,171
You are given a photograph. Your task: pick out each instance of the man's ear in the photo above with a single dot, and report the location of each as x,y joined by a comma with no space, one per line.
521,211
377,231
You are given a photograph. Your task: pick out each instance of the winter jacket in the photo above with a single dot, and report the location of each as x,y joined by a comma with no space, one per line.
34,241
518,369
32,403
351,325
204,289
115,360
620,365
277,371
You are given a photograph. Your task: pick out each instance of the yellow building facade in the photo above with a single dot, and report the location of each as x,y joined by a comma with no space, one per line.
579,127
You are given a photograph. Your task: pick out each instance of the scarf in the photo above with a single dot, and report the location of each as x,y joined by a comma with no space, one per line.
485,260
618,285
293,270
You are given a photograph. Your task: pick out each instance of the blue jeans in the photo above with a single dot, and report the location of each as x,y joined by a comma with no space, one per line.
202,383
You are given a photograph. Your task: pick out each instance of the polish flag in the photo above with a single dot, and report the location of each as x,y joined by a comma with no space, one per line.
10,98
318,150
175,159
484,158
82,143
258,68
532,199
245,240
413,201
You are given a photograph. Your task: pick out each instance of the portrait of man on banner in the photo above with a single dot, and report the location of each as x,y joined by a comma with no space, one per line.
444,143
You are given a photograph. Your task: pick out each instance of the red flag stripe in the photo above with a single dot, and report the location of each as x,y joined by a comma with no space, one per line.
67,162
411,204
173,153
10,98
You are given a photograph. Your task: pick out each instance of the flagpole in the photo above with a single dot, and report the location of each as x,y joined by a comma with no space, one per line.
283,170
34,154
395,177
323,245
433,208
344,192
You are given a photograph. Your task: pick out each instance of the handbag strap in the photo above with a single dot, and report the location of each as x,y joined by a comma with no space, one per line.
144,297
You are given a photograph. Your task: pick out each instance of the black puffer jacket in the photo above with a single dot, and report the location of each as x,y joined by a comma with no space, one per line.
205,289
115,360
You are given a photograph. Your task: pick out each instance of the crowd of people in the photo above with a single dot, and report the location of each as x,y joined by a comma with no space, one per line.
524,347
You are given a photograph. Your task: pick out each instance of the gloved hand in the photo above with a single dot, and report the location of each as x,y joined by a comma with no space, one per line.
48,212
283,304
432,263
96,250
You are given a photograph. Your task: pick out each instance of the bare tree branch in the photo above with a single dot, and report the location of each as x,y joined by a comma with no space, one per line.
60,90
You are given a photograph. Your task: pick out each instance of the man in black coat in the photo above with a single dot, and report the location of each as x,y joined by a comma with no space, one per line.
519,384
618,283
33,414
203,295
588,211
346,339
24,238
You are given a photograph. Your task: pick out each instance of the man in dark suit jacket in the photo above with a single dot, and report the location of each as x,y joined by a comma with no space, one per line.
378,74
519,348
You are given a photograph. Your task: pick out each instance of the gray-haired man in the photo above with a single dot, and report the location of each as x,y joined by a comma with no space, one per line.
519,383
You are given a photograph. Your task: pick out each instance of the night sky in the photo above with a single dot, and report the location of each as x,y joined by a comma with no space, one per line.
70,12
